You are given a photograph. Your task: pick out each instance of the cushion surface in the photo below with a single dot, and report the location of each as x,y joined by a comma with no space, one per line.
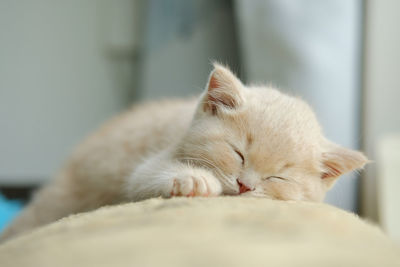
224,231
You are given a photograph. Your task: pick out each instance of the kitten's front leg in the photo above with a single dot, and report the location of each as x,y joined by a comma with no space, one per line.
162,176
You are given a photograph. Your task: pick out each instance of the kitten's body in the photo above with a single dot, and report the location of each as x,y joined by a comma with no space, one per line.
235,140
95,174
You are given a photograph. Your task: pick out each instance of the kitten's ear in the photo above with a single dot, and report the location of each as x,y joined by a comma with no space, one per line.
223,90
338,161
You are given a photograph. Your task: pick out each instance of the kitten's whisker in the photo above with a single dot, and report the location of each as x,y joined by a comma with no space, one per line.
228,182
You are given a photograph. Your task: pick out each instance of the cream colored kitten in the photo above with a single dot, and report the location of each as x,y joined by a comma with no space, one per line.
233,140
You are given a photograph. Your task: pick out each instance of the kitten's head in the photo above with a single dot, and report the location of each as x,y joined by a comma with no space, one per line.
260,142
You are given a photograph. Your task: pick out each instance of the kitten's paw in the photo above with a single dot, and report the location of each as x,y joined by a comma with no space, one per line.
196,184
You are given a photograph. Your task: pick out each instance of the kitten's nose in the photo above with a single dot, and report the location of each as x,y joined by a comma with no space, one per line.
242,187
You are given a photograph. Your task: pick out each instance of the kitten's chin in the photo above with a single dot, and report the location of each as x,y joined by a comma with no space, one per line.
231,192
229,186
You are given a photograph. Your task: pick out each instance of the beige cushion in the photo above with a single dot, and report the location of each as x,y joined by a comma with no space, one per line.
226,231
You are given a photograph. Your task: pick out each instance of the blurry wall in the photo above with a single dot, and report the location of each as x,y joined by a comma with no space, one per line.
183,37
57,82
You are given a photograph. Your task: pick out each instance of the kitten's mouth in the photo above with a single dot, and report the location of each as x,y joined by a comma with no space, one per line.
243,188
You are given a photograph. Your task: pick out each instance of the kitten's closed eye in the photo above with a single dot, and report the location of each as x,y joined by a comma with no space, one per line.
240,155
275,179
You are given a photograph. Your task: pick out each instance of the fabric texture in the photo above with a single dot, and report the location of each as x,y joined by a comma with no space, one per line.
224,231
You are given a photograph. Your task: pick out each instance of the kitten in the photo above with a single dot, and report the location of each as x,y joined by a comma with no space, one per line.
233,140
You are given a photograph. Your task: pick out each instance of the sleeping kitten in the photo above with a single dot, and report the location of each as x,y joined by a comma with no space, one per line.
233,140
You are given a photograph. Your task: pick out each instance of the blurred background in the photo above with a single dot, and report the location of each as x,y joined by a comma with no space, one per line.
67,66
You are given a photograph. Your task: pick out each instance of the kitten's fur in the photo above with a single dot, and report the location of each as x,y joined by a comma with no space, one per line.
253,141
